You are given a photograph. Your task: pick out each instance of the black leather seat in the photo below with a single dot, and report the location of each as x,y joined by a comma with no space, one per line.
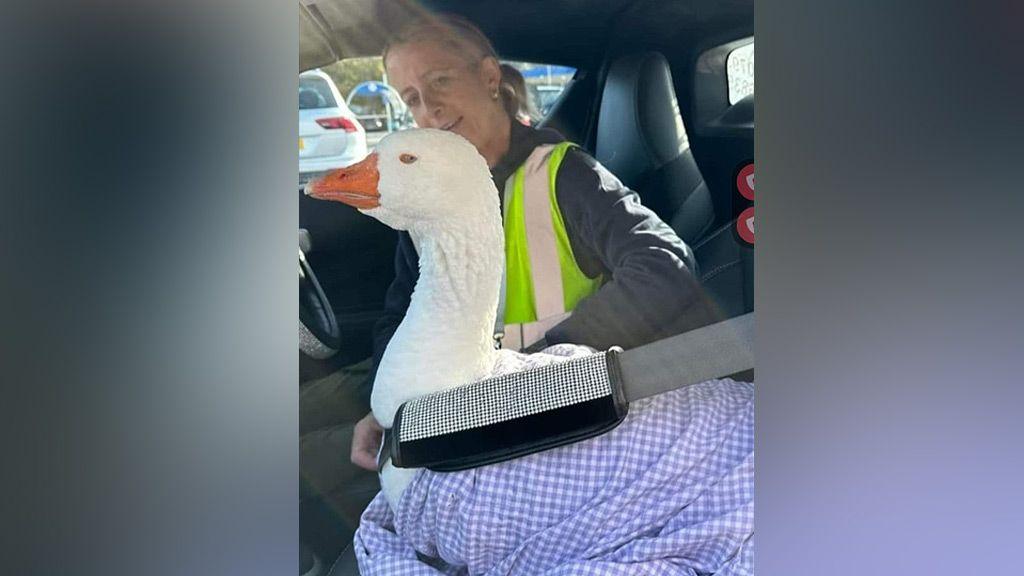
642,140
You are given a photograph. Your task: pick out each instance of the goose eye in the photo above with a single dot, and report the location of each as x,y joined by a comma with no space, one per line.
408,158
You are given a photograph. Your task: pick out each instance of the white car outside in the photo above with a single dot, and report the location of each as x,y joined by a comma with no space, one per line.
330,136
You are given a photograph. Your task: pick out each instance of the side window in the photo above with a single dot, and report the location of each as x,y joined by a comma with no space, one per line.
740,69
542,85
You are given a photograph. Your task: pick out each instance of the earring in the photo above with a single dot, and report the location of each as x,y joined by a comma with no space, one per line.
494,95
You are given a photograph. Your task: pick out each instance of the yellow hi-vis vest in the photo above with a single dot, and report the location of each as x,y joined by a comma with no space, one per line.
543,283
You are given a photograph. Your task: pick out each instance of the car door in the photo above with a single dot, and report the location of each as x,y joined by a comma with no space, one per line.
723,112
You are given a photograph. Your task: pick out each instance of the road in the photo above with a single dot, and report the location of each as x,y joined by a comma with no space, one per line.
373,137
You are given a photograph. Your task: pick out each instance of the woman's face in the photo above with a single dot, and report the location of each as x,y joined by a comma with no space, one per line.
444,90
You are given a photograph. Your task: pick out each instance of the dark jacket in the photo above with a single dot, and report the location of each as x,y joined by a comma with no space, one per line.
651,291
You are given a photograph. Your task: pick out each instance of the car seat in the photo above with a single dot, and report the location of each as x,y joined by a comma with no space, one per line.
642,140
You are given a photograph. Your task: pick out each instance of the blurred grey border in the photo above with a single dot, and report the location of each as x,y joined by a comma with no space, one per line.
888,293
149,303
148,308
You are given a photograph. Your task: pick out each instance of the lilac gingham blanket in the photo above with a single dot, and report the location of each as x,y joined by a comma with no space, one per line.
669,491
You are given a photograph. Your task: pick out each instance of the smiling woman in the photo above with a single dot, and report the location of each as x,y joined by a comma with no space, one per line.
449,76
586,261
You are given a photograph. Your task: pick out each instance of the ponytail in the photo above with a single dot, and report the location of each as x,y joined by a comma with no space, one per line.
514,96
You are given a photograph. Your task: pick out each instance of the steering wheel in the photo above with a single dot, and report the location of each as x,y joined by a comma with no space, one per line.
319,335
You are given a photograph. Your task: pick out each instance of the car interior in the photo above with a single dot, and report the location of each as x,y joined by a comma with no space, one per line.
649,100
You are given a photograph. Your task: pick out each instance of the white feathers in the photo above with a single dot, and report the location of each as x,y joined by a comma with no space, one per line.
437,186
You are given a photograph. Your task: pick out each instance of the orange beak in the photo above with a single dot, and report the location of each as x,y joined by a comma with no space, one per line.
355,185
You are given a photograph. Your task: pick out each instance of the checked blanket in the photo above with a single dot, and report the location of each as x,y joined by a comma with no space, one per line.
669,491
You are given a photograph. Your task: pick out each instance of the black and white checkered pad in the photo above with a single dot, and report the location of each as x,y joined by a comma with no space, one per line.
506,397
510,415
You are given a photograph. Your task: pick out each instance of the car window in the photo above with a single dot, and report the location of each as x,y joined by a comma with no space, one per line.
315,93
740,69
363,85
372,97
362,82
544,85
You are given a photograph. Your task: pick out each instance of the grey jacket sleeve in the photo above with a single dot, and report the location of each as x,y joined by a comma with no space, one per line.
651,290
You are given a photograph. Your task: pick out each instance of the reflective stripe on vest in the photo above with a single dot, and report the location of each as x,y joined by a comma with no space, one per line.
543,283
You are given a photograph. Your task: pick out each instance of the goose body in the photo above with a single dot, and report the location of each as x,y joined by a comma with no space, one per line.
449,205
446,337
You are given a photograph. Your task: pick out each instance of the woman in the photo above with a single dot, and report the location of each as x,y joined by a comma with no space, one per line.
625,279
634,276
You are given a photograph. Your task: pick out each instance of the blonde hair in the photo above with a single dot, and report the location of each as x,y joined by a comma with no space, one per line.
464,39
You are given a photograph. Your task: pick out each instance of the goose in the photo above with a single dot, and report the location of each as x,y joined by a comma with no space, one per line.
436,186
685,498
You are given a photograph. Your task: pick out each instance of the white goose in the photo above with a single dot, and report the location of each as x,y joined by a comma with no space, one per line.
696,468
435,185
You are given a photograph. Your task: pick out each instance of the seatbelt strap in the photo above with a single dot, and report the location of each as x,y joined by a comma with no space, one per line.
714,351
499,318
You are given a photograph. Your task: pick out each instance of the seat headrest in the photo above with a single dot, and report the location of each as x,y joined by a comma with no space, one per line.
640,127
310,99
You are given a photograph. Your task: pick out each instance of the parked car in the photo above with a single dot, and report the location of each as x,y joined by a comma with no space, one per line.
378,107
330,136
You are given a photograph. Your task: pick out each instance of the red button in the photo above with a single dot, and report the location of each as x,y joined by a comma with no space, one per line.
745,225
745,182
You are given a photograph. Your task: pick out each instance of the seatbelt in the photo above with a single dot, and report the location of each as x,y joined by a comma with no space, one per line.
499,318
714,351
513,415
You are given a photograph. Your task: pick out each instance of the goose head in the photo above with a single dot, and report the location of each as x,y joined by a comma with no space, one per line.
415,178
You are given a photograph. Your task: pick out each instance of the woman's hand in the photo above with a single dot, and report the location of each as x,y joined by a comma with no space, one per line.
366,439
